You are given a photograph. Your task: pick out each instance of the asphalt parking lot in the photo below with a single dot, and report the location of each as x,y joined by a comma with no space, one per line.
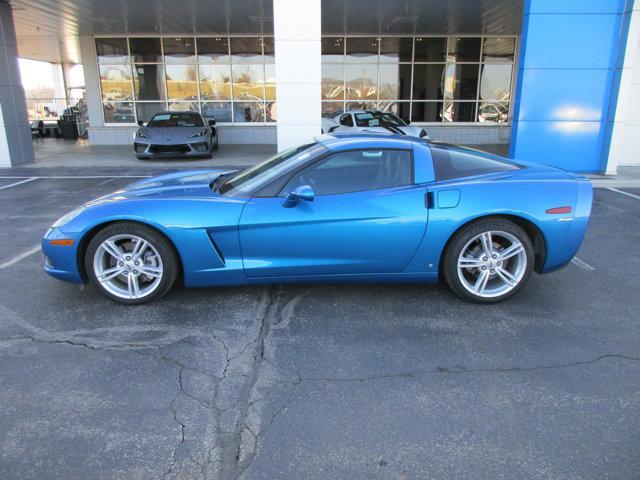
318,381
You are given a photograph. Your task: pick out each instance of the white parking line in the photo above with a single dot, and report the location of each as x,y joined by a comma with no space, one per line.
20,256
30,179
623,192
582,265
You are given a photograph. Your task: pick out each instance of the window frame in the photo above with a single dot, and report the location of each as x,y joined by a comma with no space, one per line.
328,154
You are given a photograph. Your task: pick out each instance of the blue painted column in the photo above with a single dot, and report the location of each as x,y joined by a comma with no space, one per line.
566,81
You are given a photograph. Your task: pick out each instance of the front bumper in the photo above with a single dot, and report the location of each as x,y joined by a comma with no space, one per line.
60,261
193,148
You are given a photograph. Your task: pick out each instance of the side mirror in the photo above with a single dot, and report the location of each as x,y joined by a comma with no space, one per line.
212,122
304,192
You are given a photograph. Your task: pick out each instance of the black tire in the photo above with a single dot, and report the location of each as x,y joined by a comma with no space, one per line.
141,158
165,249
465,235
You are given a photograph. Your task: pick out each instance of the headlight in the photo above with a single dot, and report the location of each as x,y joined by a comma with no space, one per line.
142,134
201,133
67,218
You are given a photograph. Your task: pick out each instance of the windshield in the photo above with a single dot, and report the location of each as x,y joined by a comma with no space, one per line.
386,117
167,120
366,120
254,178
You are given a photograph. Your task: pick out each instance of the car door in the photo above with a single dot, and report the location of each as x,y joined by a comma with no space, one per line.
367,217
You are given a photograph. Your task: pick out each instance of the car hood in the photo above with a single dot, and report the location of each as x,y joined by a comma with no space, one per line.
191,183
172,133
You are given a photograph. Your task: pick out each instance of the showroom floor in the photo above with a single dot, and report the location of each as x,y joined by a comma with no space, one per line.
317,381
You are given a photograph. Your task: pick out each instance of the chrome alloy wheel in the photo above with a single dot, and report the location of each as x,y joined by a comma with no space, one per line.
128,266
492,264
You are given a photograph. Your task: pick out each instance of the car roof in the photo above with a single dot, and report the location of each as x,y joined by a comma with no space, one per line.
335,141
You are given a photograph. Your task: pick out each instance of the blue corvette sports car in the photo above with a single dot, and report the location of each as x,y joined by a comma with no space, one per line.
345,208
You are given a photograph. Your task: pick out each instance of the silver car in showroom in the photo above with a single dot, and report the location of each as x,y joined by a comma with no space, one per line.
373,121
176,134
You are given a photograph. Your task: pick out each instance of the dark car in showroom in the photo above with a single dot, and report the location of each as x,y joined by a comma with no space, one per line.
176,134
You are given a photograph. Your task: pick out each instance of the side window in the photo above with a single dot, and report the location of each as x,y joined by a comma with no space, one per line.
452,162
346,120
355,171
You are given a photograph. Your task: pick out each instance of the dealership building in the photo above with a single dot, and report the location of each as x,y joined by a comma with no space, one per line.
557,81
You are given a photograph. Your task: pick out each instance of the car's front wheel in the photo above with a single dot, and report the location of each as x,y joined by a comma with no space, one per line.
131,263
488,261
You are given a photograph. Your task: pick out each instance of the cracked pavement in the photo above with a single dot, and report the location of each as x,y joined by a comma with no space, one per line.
319,381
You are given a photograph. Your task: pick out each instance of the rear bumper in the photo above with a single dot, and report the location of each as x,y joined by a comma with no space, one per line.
61,262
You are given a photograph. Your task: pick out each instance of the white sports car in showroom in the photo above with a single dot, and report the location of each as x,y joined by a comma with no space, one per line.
373,121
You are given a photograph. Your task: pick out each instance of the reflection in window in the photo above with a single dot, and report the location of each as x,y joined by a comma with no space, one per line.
459,112
248,112
145,50
146,110
182,82
270,82
215,82
269,50
361,105
463,49
246,50
428,82
426,112
248,82
115,82
118,112
183,106
430,49
401,109
112,50
495,82
461,82
362,50
179,50
332,86
329,109
394,82
362,82
493,112
213,50
220,111
148,82
393,49
498,49
271,112
332,50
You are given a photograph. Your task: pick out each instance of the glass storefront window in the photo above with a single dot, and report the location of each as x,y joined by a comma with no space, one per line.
182,82
270,82
148,82
248,82
394,82
117,112
329,109
426,112
146,110
495,82
461,82
396,49
459,112
147,50
180,50
215,82
362,82
269,50
220,111
493,112
115,82
463,49
112,51
361,105
498,49
428,81
401,109
248,112
430,49
362,50
332,50
184,106
246,50
332,86
213,50
271,112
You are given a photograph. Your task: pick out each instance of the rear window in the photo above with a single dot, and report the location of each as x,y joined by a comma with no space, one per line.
164,120
451,162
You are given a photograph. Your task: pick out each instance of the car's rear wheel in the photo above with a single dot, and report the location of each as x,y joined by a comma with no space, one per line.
488,261
131,263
